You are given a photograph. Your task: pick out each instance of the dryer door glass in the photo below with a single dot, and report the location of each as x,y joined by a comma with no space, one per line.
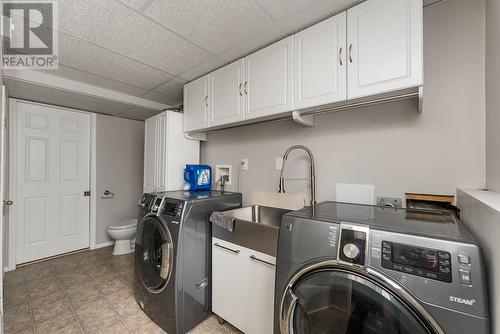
339,302
154,254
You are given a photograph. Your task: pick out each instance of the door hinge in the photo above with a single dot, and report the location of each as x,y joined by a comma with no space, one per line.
86,193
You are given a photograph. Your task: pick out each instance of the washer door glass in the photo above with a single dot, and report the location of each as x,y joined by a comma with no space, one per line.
154,256
340,302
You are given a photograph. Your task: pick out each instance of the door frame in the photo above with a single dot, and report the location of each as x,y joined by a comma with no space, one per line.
12,120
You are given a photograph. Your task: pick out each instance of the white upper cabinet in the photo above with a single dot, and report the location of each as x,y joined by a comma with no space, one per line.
384,39
320,63
196,104
269,80
226,94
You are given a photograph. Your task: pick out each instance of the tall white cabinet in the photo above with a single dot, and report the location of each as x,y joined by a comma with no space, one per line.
166,152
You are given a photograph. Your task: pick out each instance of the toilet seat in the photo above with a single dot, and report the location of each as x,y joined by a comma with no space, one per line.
132,224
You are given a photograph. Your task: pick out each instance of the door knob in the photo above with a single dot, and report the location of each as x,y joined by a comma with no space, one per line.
7,202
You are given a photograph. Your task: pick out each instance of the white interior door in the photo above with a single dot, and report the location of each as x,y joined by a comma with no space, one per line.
52,162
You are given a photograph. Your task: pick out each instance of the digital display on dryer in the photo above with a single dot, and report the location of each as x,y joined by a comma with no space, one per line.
426,259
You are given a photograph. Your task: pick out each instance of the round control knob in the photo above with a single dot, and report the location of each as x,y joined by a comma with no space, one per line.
351,251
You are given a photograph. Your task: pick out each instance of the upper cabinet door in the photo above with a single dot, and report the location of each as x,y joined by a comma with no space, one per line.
269,80
196,104
320,63
384,41
226,94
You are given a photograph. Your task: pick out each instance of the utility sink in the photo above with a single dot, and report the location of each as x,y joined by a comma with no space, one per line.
255,227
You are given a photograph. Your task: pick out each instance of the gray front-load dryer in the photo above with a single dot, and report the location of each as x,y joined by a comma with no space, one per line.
357,269
173,256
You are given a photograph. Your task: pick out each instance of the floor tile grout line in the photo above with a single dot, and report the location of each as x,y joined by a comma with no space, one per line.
109,303
67,299
28,296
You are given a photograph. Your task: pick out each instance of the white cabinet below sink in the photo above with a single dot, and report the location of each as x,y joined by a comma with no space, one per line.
243,287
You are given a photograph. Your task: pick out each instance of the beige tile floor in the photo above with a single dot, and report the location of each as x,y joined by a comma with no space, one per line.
87,292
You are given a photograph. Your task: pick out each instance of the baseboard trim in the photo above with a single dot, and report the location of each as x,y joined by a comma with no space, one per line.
104,244
9,268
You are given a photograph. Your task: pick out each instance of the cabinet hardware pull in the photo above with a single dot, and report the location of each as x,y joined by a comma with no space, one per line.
253,257
241,84
7,202
245,87
350,53
235,251
206,101
340,56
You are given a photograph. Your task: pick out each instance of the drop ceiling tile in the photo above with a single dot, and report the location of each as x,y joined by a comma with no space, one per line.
95,80
253,44
129,33
280,9
91,58
136,4
171,91
138,114
213,24
200,70
78,17
315,13
156,97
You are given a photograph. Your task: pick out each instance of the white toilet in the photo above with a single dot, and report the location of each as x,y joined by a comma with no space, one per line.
123,234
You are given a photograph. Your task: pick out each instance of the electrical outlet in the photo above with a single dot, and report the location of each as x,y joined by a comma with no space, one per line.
244,164
392,202
279,163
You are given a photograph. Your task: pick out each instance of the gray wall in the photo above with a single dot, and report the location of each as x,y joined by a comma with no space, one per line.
120,160
388,145
492,94
484,222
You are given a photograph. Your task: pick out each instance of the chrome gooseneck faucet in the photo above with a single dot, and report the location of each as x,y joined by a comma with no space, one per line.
312,177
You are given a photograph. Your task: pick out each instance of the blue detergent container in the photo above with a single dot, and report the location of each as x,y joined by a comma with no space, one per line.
198,177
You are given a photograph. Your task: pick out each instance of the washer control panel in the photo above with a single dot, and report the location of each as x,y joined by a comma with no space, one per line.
426,262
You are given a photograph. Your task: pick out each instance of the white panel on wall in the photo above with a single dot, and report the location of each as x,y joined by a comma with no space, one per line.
36,159
69,215
36,218
69,160
355,193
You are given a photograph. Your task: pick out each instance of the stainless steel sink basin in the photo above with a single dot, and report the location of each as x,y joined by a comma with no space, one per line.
255,227
264,215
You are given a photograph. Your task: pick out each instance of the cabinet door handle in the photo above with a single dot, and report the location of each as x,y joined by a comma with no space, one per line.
350,53
206,101
340,56
245,87
241,84
253,257
235,251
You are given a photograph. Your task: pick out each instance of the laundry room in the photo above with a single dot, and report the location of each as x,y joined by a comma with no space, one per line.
250,166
